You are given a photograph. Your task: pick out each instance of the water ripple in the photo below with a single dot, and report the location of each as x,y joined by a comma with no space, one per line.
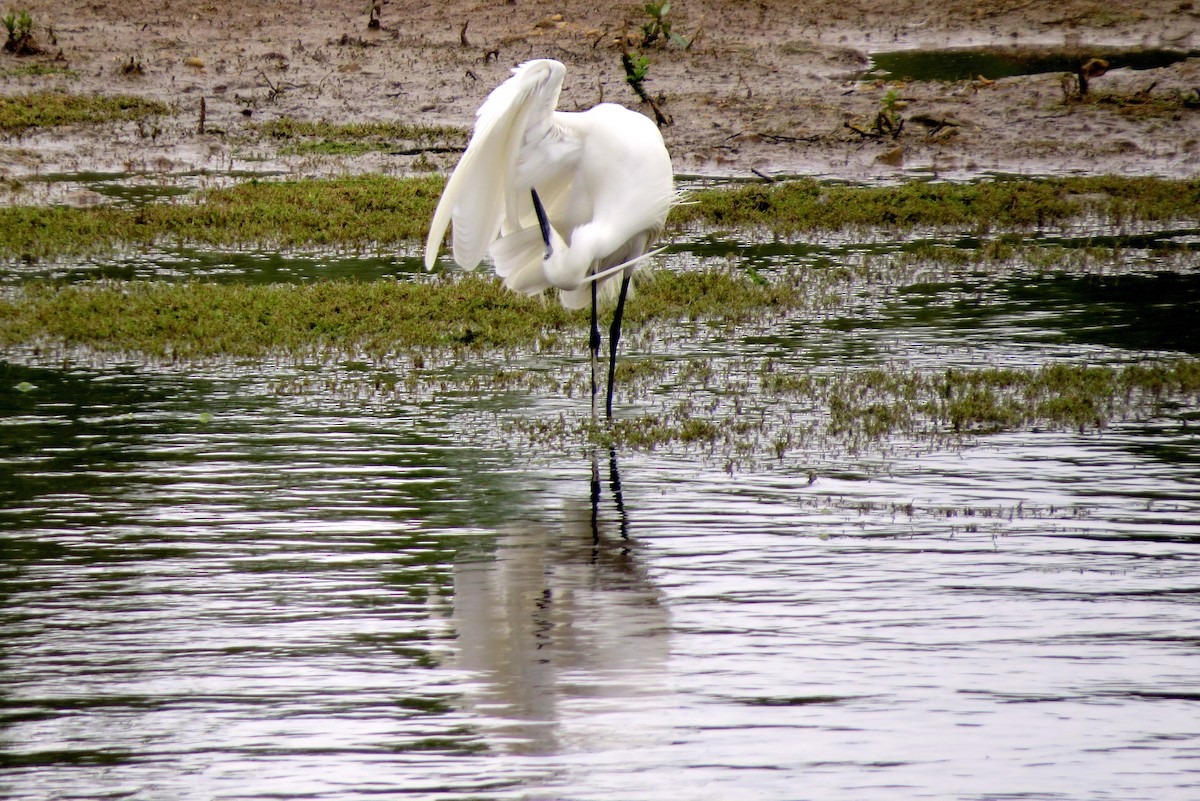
210,589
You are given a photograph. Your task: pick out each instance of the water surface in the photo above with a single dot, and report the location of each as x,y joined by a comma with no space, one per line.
213,588
968,63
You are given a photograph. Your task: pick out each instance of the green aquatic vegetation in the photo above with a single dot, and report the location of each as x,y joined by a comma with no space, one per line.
374,210
24,112
39,70
291,128
859,408
426,336
879,402
356,211
201,320
726,294
648,432
804,205
855,408
328,138
680,424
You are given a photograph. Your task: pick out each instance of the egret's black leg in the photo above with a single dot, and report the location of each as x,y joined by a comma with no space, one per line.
594,346
614,336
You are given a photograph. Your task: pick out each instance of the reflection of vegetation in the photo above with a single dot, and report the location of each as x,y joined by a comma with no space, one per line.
361,211
426,705
465,743
20,113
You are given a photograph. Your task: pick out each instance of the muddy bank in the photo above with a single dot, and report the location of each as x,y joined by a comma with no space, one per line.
766,87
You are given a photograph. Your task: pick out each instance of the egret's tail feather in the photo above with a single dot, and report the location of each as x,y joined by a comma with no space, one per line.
581,298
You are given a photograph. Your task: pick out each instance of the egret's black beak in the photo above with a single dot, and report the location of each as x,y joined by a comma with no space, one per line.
543,221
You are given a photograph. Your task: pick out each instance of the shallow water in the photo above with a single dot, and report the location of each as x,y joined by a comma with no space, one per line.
223,266
212,588
968,63
128,189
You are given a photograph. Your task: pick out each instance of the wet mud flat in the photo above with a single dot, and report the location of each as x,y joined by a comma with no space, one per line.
771,88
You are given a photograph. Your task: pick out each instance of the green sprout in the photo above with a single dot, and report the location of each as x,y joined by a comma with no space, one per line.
659,26
20,34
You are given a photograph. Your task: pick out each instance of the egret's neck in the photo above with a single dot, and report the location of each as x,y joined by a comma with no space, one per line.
593,244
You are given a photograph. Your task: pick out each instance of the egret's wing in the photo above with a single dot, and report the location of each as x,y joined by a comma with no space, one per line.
479,193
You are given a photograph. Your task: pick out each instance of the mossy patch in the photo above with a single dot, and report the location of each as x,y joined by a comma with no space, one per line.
24,112
39,70
808,205
199,320
357,211
1142,104
881,402
373,210
350,139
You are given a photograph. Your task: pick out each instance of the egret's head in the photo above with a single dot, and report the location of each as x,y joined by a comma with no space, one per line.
557,260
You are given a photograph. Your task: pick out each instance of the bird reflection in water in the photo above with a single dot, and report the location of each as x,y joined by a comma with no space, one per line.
614,482
563,631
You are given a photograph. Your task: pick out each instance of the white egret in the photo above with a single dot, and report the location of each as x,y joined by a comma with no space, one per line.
558,199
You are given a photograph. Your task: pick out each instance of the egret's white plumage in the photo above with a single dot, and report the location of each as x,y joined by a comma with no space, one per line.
603,177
